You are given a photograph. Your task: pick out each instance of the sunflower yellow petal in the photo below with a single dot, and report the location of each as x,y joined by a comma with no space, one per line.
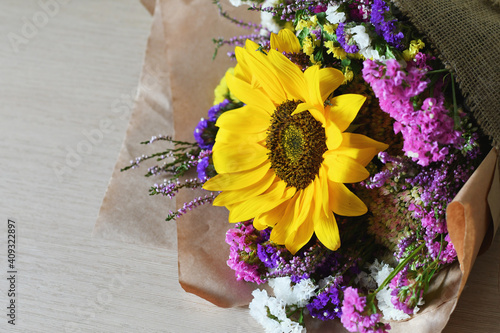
247,119
301,229
334,136
237,180
264,72
235,158
244,92
285,41
329,80
282,227
230,197
291,76
344,109
227,136
343,169
255,206
327,231
317,114
344,202
273,216
299,237
360,147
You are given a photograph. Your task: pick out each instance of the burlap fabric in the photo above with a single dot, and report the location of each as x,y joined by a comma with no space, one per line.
467,35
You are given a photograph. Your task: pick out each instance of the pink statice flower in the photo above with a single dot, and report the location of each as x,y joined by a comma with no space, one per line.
427,130
354,316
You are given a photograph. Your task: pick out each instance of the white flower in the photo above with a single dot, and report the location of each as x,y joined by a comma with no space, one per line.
333,16
258,310
372,54
380,271
259,307
360,36
266,18
235,3
298,294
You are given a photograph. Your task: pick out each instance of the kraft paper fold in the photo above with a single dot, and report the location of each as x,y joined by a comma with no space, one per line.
175,90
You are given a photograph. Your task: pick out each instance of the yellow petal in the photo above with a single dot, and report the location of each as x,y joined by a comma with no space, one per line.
327,231
299,237
329,80
301,229
235,158
247,119
229,197
245,93
290,75
275,215
360,147
344,202
343,169
285,41
237,180
255,206
334,138
225,135
281,229
344,109
315,112
263,71
321,83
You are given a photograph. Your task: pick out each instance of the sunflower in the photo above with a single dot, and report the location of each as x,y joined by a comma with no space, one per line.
283,158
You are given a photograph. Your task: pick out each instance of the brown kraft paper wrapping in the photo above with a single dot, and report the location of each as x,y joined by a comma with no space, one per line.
177,87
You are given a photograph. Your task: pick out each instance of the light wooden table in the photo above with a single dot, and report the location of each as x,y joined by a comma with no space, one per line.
63,68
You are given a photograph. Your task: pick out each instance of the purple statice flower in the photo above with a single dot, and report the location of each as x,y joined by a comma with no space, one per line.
203,165
359,10
355,318
344,40
201,168
321,8
313,261
269,255
405,296
200,135
243,270
386,29
427,131
205,131
240,238
327,304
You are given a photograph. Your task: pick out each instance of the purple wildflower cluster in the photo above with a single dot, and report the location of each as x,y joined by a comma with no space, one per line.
344,40
356,318
244,256
428,131
204,134
386,29
326,305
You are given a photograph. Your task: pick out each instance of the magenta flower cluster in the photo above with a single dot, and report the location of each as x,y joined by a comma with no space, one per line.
427,130
242,240
356,319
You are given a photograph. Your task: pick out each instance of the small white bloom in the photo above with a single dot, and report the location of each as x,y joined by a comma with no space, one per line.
333,16
380,271
298,294
235,3
266,18
360,36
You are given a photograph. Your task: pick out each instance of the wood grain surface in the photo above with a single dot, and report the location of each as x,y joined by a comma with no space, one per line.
68,73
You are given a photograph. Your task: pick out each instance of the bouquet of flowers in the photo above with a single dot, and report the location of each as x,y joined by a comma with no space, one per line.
336,142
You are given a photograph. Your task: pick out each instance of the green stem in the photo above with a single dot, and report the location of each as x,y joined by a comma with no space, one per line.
456,118
444,70
398,268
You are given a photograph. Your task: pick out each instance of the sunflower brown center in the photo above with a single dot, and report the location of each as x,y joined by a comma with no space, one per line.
296,145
